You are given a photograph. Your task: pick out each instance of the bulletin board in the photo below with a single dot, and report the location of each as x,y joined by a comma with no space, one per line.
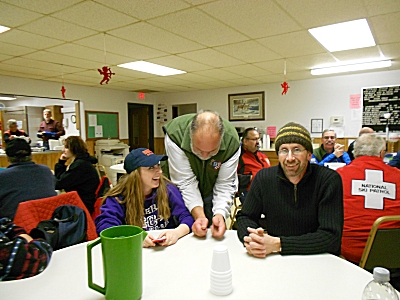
101,124
380,100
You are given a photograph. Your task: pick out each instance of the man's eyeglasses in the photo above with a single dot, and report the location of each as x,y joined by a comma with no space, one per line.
255,139
295,152
329,137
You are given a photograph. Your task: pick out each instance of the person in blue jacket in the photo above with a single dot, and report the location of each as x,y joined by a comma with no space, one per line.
144,197
395,162
330,151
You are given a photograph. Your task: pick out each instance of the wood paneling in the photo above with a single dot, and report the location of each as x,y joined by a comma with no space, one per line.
159,147
48,158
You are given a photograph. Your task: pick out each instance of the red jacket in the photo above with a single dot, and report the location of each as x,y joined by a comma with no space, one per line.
249,164
364,178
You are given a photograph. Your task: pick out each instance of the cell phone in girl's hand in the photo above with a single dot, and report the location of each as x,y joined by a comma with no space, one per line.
160,240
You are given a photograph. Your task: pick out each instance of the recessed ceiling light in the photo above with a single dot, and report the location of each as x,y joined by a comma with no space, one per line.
344,36
341,68
4,29
151,68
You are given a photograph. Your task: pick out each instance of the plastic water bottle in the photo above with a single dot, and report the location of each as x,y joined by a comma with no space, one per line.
379,287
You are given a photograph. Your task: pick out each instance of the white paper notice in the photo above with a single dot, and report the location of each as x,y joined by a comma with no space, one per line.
98,131
92,120
356,114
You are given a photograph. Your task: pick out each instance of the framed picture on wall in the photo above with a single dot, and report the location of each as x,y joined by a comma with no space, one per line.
248,106
317,125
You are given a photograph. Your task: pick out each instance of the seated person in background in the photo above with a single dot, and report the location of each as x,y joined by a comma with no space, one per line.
23,180
351,146
145,198
330,151
395,162
49,129
79,175
362,208
302,202
21,256
251,161
14,132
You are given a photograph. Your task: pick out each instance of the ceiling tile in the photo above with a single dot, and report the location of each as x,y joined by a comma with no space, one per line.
245,70
179,63
391,51
219,74
248,51
385,28
156,38
377,7
314,13
62,60
12,16
43,6
212,58
145,9
278,66
245,81
14,50
357,54
4,57
36,64
94,16
121,47
26,39
199,27
312,61
57,29
257,18
22,69
293,44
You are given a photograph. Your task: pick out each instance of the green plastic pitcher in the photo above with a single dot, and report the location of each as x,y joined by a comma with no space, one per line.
122,261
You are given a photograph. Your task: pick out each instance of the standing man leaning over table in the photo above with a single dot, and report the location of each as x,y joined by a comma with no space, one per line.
330,151
302,202
203,152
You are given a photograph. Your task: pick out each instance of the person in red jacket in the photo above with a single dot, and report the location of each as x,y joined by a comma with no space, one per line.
371,189
251,161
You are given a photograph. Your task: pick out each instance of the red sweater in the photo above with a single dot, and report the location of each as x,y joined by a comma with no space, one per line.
371,189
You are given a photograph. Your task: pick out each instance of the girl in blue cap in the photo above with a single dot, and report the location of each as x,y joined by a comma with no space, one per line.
144,197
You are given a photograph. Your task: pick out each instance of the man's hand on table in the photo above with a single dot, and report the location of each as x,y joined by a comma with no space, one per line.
259,244
199,227
218,226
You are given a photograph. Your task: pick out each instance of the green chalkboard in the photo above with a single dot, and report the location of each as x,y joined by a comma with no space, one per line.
101,124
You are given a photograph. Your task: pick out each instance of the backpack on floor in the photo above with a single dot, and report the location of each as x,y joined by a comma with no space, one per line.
66,227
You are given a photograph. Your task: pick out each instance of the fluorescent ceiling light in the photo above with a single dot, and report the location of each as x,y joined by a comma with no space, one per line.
344,36
151,68
352,67
4,29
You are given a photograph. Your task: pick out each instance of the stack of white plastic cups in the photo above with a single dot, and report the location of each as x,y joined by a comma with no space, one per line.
221,272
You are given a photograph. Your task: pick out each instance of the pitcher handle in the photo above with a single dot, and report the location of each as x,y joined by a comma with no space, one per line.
92,285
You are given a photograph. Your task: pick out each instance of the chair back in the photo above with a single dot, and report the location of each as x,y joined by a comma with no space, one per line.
103,187
30,213
382,247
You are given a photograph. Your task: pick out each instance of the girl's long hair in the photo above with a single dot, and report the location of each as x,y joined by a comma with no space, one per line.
130,187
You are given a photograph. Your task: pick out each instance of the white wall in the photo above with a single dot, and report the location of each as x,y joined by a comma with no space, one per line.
92,98
318,98
306,99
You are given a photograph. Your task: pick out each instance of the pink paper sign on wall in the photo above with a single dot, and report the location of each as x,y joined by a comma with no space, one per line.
355,101
271,131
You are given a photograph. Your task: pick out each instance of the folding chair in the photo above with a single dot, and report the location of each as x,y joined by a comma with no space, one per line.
383,245
30,213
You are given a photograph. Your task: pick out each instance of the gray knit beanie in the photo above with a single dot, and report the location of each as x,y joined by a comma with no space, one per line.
293,133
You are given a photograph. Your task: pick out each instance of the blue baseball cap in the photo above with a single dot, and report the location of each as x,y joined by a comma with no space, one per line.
141,157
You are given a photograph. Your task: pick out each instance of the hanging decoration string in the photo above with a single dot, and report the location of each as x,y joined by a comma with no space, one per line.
105,70
284,85
284,70
63,89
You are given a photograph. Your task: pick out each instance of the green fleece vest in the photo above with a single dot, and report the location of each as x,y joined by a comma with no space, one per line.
206,171
319,153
